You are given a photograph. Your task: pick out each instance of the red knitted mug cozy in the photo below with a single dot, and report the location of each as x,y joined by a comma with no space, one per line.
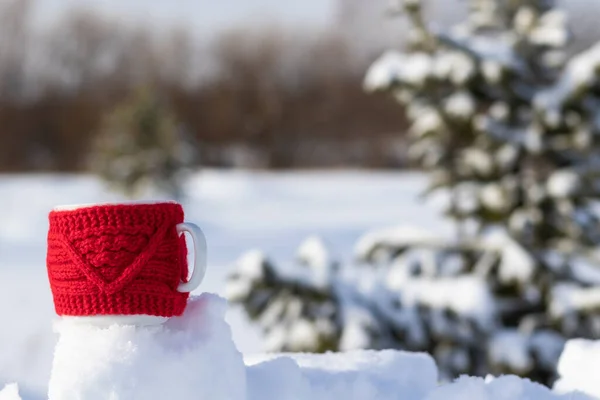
117,260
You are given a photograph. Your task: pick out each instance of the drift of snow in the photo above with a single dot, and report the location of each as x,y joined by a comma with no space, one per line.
193,357
503,388
190,357
10,392
578,367
354,375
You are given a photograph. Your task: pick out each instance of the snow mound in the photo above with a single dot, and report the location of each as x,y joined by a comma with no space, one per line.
10,392
189,357
503,388
193,357
578,367
353,375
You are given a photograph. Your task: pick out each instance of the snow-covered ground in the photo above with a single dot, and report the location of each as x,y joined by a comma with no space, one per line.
579,366
194,357
237,210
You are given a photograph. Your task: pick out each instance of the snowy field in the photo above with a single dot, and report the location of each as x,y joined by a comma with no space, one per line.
238,211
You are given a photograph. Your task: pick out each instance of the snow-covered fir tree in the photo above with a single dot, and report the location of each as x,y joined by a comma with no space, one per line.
508,128
141,144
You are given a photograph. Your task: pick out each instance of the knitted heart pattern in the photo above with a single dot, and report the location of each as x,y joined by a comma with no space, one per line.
122,259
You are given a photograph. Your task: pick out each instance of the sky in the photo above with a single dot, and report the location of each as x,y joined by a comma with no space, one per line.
201,15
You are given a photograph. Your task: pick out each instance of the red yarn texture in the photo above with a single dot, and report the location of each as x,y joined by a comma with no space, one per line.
117,260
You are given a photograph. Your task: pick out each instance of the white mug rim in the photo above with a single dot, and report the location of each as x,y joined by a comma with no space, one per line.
73,207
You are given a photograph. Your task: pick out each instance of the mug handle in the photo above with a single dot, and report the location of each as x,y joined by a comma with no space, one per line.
199,256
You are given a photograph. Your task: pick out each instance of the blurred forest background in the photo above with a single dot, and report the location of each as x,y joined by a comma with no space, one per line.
266,96
269,98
